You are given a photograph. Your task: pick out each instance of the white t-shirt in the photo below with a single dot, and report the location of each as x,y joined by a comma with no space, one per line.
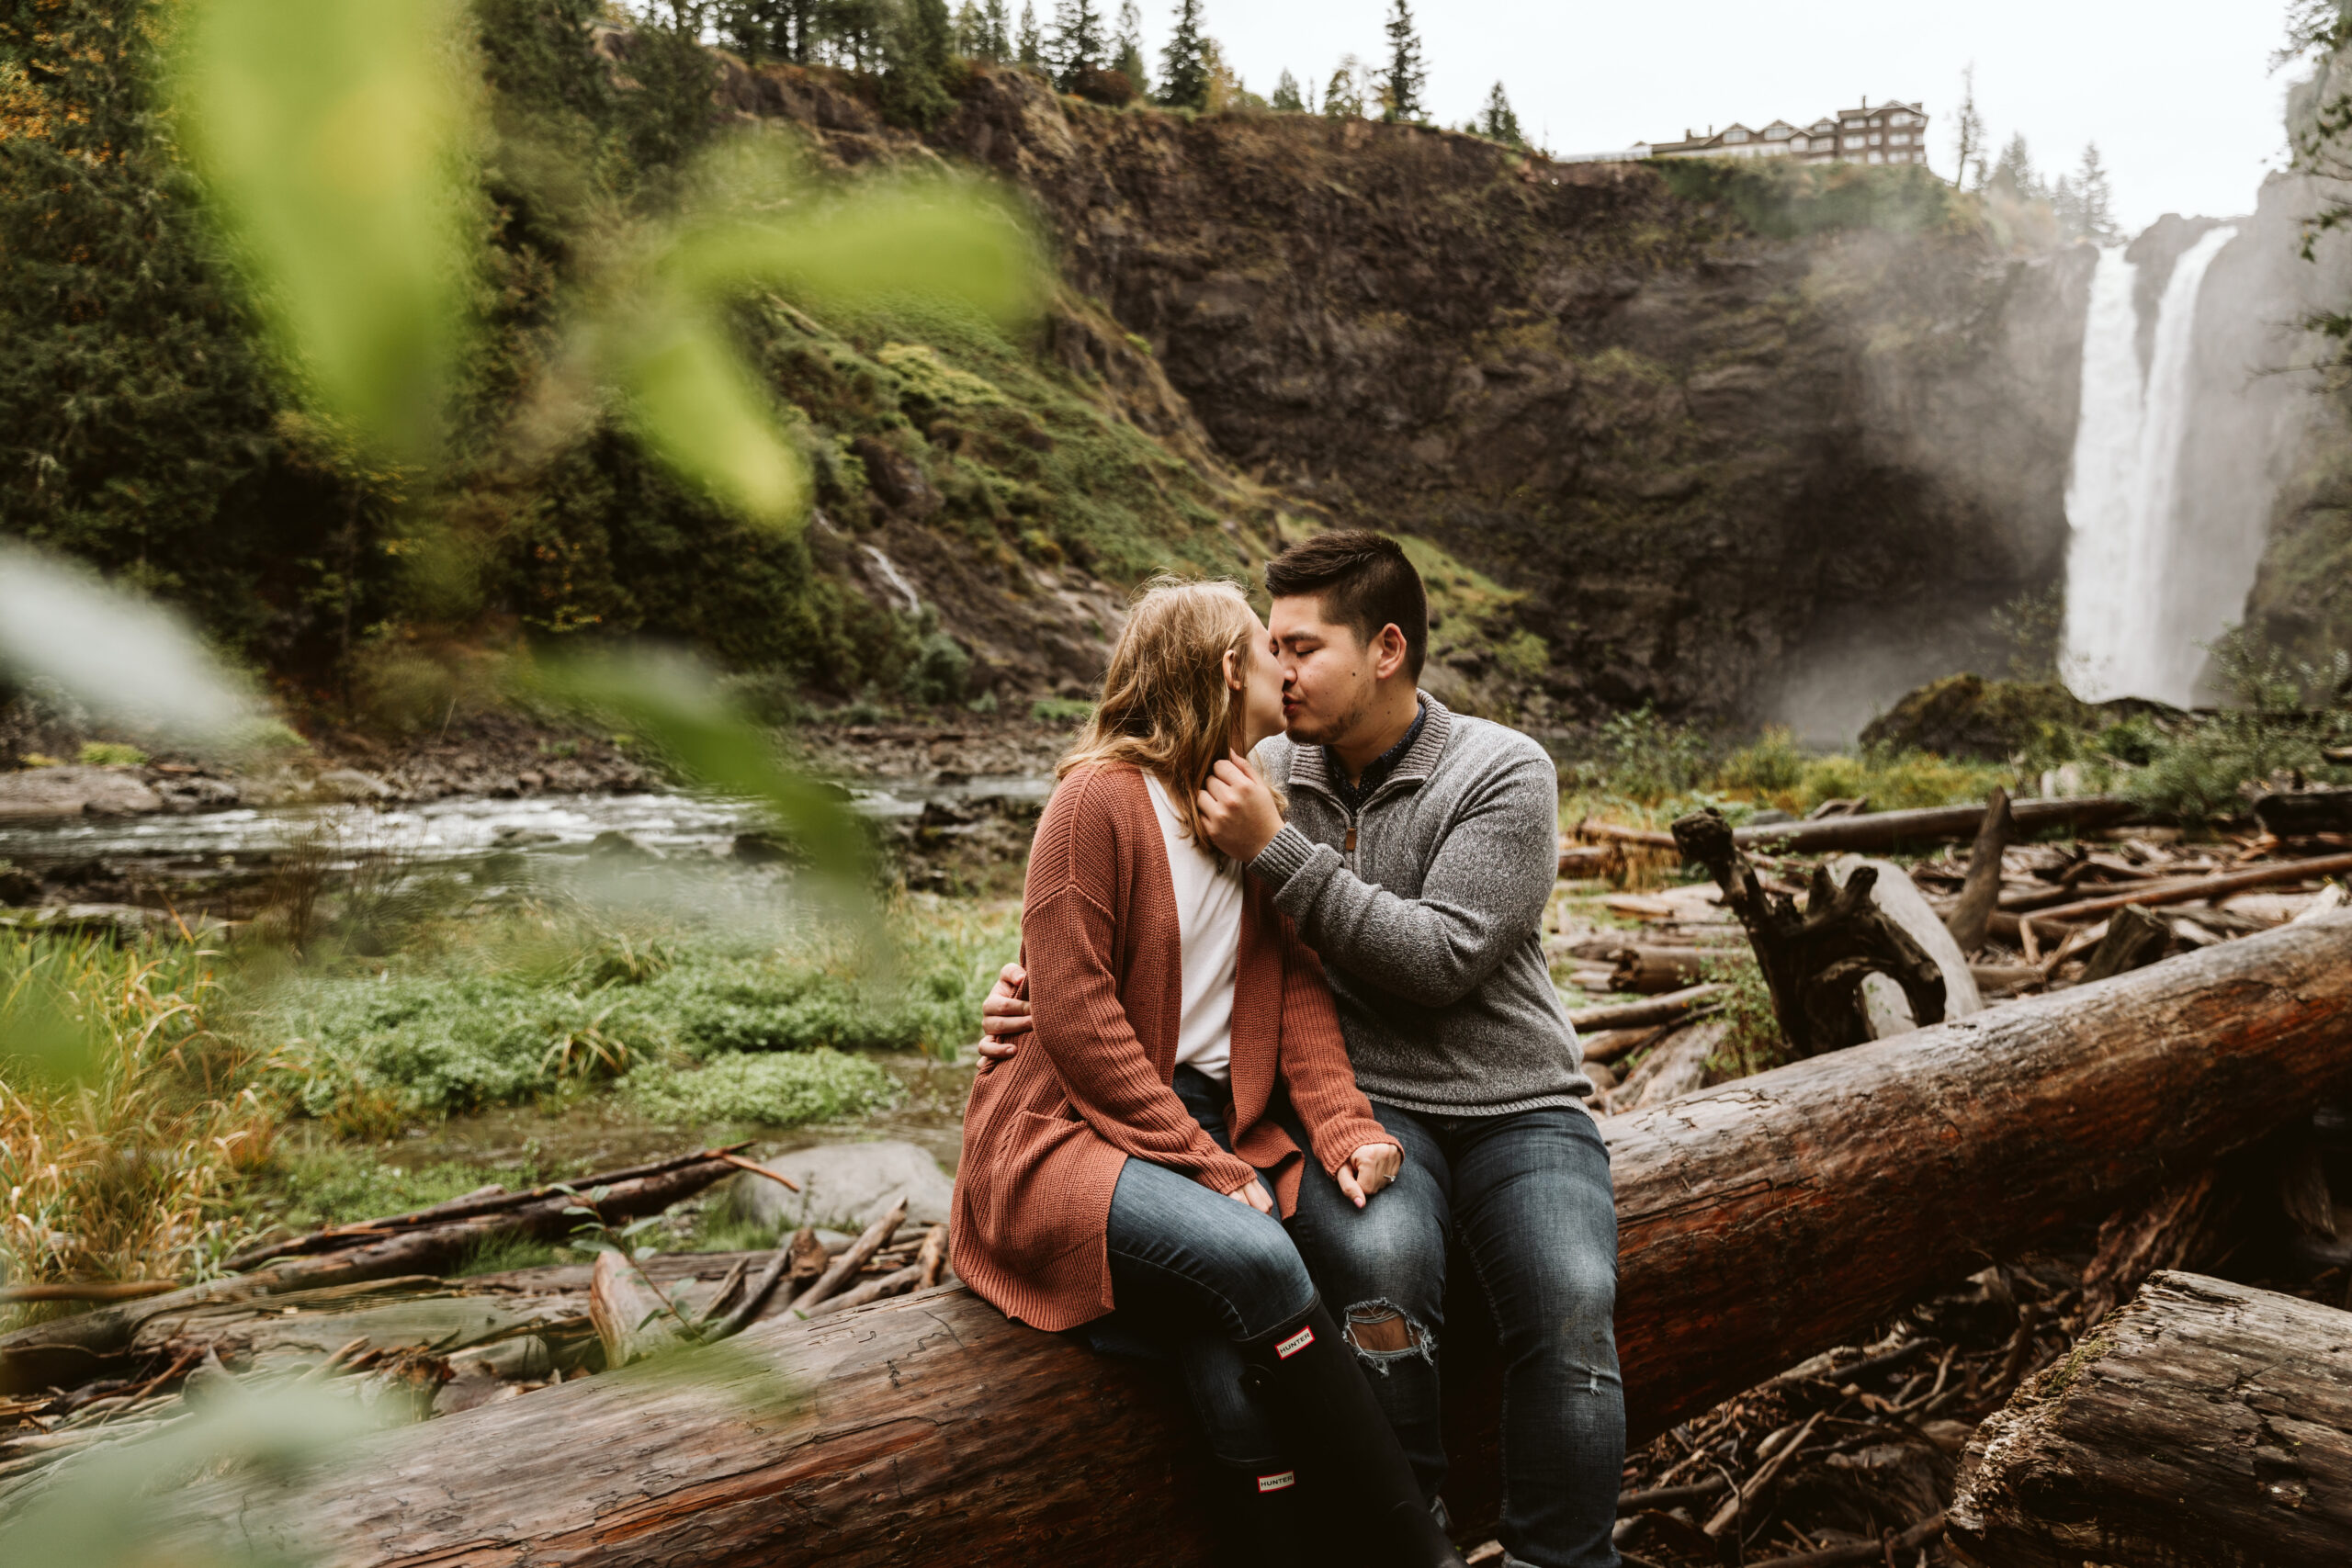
1208,918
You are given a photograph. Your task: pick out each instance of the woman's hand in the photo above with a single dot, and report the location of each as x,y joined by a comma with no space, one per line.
1253,1193
1369,1169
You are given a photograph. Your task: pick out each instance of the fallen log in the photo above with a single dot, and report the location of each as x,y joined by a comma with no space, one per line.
1877,831
2303,813
1672,1008
2205,1424
1760,1222
1676,1067
633,1319
1587,859
1652,971
89,1290
68,1350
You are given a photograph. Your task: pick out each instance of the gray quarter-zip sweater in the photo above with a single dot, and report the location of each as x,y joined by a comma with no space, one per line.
1430,926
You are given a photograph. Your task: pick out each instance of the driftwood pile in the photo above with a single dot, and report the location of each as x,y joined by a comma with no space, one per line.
335,1307
1856,1460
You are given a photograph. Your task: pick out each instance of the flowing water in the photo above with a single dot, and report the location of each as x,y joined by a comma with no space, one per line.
2137,623
460,833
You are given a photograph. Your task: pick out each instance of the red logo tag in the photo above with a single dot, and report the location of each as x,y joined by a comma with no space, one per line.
1294,1344
1281,1483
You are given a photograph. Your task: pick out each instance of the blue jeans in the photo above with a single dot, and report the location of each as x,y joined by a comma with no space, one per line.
1528,1198
1194,1272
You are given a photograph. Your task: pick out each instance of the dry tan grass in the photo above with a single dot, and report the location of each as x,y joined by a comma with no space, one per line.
122,1110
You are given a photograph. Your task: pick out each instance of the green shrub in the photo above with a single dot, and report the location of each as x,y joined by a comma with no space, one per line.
2209,765
937,675
1771,766
1646,758
776,1091
1061,710
1753,1042
110,754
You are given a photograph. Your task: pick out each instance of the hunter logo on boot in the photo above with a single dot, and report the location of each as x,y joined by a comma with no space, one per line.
1281,1481
1294,1344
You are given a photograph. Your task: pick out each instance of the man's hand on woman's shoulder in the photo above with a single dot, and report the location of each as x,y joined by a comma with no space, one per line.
1004,1016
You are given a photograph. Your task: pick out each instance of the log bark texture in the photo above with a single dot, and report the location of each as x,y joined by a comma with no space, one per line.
1760,1222
2205,1425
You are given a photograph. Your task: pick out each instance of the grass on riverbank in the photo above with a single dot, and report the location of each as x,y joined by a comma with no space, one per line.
144,1090
125,1112
697,1025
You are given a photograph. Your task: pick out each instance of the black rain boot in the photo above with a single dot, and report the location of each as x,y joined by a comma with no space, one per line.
1260,1516
1337,1428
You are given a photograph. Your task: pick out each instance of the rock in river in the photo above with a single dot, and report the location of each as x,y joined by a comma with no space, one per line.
42,794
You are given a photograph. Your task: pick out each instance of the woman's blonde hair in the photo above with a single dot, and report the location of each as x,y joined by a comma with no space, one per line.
1166,707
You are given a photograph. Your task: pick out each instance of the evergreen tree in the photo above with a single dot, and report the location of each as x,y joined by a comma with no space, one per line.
1286,97
2094,202
854,33
1226,90
972,32
1969,132
2013,174
1076,49
1031,46
1126,48
1499,123
1183,64
1343,94
917,49
998,47
1401,85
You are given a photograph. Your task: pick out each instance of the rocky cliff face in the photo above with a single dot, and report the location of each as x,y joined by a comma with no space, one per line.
1729,472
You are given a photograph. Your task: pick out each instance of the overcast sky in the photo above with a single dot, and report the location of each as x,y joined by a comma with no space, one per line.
2178,94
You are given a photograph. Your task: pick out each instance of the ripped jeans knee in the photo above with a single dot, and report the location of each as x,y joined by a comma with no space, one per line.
1382,1335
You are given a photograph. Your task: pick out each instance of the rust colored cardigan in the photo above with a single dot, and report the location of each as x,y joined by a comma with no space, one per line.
1047,1133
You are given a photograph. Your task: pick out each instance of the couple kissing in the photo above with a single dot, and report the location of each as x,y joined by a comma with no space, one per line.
1280,1042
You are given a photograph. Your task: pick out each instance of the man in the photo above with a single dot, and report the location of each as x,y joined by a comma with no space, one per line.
1420,853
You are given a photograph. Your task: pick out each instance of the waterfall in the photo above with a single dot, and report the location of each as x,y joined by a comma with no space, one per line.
2136,623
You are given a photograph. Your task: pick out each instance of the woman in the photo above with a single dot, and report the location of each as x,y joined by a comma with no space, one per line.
1130,1161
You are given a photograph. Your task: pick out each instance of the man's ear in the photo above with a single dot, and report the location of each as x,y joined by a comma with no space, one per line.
1389,651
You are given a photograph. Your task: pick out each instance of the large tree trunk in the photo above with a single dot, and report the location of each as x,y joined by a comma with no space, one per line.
2203,1425
1761,1222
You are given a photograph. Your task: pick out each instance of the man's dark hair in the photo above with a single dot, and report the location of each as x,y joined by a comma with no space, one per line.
1364,583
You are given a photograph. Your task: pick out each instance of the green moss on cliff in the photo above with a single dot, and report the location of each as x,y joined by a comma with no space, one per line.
1786,200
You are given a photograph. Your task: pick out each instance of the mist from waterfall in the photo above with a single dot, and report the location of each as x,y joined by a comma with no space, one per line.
2137,623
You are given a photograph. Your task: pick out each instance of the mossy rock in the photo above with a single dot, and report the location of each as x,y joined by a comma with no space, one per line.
1967,715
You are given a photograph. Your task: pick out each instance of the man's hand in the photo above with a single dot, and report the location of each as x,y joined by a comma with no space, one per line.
1238,810
1369,1169
1254,1194
1004,1017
